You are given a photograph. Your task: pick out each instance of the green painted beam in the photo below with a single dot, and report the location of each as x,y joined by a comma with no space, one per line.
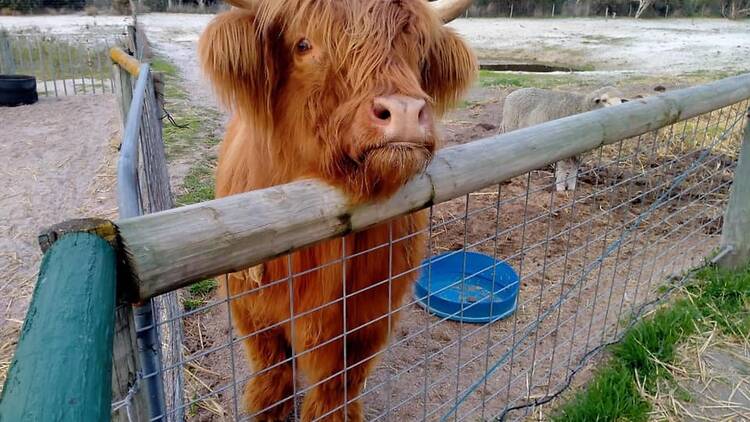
62,368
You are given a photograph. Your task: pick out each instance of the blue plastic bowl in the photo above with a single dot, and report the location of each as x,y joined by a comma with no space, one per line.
443,288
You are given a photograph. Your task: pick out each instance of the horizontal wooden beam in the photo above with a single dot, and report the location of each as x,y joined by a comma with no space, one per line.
171,249
62,367
125,60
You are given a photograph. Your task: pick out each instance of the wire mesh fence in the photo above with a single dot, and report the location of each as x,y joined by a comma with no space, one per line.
63,65
143,188
590,261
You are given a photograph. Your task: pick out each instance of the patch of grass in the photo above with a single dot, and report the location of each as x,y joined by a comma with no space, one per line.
204,287
172,89
191,304
199,293
724,297
654,341
159,64
714,297
198,185
192,135
488,78
612,392
184,134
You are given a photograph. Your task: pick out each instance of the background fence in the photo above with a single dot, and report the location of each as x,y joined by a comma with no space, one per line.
62,64
143,188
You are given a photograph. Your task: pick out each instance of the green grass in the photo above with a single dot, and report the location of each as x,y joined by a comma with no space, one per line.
199,293
714,297
612,392
159,64
724,297
192,132
198,185
489,78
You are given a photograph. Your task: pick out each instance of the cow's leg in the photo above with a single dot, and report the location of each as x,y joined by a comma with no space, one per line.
323,367
320,358
362,348
268,393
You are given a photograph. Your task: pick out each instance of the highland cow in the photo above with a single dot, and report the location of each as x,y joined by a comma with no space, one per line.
346,92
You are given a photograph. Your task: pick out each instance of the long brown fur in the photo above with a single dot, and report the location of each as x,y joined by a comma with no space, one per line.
301,116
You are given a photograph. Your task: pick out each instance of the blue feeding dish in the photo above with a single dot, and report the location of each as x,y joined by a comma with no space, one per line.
459,286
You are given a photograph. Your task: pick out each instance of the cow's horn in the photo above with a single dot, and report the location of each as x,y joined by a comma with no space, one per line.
242,4
450,9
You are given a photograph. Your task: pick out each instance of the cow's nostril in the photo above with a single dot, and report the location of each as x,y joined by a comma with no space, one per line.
381,112
423,116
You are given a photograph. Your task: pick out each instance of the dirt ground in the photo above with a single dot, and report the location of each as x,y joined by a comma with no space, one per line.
57,162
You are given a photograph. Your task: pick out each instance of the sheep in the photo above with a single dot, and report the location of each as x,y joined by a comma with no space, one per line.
530,106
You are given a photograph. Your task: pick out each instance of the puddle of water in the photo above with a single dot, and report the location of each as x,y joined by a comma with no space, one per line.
524,67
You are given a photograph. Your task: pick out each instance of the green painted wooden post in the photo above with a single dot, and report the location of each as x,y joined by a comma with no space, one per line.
735,233
62,368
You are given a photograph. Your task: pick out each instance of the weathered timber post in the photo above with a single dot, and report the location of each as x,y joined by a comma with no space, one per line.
736,231
129,389
7,61
62,368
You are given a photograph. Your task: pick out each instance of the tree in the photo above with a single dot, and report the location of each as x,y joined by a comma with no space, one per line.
642,6
737,9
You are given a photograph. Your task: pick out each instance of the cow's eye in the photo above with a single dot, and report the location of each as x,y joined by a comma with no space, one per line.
303,46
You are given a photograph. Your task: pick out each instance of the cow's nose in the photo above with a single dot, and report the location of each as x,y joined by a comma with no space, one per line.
402,118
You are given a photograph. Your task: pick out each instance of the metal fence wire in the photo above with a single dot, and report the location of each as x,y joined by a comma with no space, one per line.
62,64
591,261
144,188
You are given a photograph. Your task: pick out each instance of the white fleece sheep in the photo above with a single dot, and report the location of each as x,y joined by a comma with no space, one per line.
531,106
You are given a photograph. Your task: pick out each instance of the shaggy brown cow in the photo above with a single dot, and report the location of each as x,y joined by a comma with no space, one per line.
345,91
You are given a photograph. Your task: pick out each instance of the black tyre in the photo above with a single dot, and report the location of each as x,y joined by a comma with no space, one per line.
17,90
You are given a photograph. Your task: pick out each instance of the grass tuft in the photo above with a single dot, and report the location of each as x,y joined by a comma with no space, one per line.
613,392
193,130
488,78
642,360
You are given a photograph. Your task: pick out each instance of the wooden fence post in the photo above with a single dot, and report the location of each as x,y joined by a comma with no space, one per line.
735,233
124,89
7,61
62,368
126,382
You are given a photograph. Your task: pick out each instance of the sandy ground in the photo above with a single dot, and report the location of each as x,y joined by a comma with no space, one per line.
652,46
57,162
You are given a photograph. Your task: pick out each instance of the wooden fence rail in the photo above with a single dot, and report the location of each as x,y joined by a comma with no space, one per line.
172,249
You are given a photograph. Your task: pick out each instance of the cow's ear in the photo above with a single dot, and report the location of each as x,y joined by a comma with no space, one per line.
449,70
235,57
